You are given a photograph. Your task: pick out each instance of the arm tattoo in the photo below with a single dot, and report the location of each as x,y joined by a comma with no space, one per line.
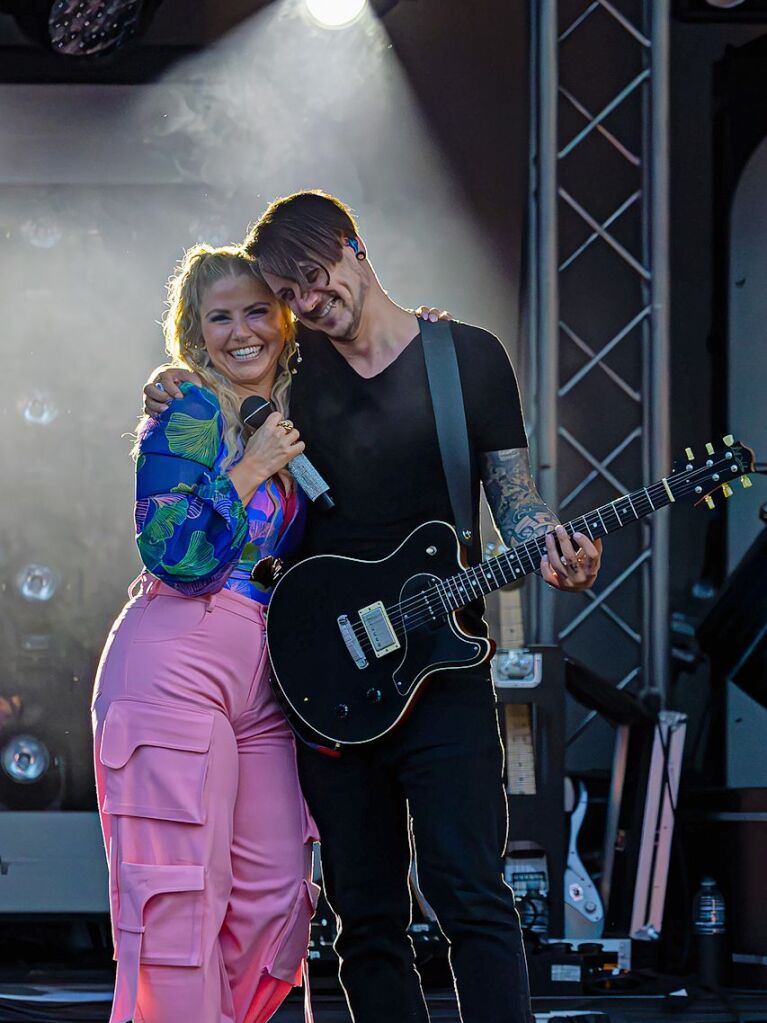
518,509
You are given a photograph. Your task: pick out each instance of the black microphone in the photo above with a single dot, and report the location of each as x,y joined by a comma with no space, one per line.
254,412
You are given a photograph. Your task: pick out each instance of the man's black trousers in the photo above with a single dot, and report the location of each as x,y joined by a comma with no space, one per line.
444,767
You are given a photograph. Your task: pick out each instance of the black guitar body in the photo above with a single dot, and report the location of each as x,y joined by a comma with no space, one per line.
353,641
314,665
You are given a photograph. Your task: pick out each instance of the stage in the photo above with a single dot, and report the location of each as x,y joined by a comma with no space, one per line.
90,1004
579,185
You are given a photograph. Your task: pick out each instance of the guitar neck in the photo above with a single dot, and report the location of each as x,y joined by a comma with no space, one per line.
525,558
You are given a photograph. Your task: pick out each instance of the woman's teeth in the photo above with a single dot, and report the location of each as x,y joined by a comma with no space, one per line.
243,354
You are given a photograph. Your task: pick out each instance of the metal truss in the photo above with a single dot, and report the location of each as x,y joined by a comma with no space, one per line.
598,315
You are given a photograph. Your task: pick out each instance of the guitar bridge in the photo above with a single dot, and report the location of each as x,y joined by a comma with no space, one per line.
379,628
351,641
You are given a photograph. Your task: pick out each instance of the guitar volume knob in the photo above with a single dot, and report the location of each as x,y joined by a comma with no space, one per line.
342,710
374,695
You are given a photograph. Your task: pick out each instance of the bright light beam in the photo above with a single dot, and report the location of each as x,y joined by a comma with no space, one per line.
335,13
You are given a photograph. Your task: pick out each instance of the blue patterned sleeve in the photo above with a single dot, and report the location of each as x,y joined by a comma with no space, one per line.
191,525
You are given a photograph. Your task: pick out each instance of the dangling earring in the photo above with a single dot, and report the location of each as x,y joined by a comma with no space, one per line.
196,353
299,357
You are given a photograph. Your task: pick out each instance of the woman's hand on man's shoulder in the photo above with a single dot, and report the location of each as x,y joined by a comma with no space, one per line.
164,386
425,312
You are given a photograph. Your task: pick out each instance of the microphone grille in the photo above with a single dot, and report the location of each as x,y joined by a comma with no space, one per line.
255,410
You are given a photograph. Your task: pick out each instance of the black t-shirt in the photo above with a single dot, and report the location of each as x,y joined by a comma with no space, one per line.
375,441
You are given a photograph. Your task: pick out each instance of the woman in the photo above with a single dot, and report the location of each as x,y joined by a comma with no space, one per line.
207,835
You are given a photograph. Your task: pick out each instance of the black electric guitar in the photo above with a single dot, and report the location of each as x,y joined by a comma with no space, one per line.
353,641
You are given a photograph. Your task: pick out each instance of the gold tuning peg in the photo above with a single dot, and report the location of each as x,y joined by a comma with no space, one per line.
729,440
709,448
745,482
727,490
689,455
709,501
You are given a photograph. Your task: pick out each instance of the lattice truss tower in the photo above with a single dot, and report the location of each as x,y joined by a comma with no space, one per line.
598,316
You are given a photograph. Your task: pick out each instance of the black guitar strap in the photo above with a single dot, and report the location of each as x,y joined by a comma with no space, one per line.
449,413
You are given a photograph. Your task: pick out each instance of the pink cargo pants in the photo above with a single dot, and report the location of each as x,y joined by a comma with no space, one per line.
207,835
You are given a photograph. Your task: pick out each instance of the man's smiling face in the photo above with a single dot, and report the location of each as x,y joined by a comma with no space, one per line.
331,298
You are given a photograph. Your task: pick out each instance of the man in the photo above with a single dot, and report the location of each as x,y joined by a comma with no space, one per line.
361,402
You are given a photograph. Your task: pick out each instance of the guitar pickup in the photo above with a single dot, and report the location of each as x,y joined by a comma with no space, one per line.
379,628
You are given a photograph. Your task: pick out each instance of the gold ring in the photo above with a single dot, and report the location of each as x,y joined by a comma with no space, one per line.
286,424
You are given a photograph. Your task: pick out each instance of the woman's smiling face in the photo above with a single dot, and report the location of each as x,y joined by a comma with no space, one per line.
244,330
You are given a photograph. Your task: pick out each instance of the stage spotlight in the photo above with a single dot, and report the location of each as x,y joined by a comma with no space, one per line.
25,759
335,13
37,583
38,407
82,28
31,777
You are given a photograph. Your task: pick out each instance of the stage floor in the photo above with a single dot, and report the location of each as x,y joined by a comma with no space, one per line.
751,1008
89,1003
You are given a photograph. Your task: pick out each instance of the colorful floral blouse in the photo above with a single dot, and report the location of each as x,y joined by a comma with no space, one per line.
192,529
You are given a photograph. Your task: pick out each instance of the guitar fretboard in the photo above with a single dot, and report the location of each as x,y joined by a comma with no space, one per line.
456,591
524,559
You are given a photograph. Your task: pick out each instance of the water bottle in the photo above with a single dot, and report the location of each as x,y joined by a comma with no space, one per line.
708,915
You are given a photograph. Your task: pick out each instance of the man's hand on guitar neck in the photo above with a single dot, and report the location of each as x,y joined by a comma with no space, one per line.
566,568
521,514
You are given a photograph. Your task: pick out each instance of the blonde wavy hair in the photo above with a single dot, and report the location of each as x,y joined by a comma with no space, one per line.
201,266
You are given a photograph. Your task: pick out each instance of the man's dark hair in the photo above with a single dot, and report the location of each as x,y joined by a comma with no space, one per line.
306,227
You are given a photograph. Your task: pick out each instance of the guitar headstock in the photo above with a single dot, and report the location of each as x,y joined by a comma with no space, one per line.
713,471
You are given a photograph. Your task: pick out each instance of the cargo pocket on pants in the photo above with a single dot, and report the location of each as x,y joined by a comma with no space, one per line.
293,942
291,948
159,922
155,760
157,757
164,905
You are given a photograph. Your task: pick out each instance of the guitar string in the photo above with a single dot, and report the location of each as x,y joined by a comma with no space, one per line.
398,612
537,542
416,621
398,617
